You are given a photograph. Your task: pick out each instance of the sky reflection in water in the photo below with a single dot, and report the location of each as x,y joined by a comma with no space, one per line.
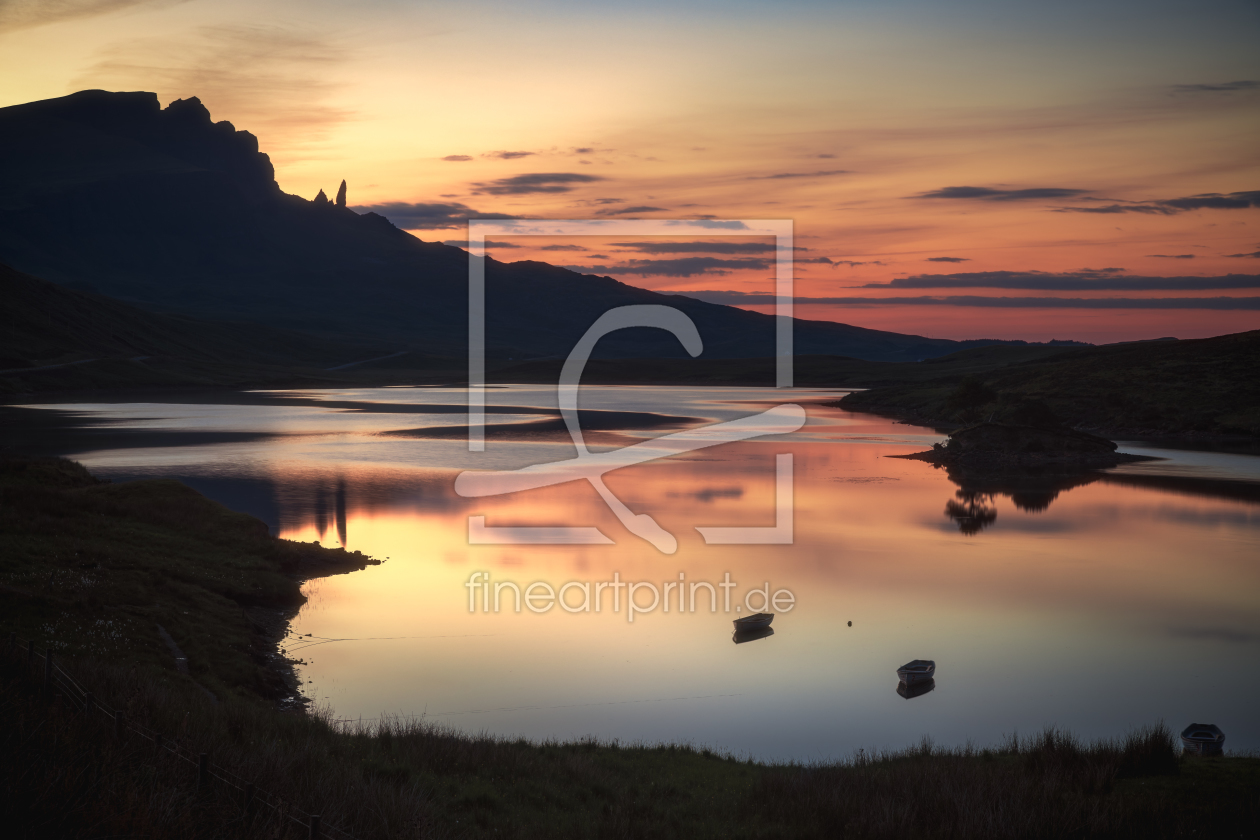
1090,603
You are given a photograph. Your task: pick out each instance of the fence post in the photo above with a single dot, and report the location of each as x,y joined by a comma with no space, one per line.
30,655
203,771
12,643
88,702
157,743
249,795
118,724
314,826
48,668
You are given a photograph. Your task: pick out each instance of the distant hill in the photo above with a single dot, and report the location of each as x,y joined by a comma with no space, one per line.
167,210
1203,387
48,324
54,338
808,371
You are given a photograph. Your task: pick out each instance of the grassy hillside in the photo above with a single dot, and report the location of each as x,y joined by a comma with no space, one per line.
1205,387
54,338
46,324
93,568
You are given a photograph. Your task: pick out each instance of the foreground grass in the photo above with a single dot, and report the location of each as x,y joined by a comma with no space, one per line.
93,568
66,776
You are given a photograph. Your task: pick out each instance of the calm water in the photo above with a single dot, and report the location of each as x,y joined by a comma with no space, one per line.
1095,603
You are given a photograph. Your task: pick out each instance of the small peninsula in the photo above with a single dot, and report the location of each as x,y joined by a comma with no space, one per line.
995,446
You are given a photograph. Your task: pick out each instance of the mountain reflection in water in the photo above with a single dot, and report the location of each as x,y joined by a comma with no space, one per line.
1032,490
1107,581
972,511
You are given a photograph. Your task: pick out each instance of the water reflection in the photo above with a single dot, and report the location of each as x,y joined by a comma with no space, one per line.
742,636
972,511
1102,579
1030,490
917,689
319,504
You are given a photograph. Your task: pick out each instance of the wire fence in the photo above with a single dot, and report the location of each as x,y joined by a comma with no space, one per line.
57,683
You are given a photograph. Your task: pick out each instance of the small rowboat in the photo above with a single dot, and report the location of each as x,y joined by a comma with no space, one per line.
1203,739
917,670
756,621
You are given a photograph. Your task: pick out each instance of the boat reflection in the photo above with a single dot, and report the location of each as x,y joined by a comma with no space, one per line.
753,635
917,689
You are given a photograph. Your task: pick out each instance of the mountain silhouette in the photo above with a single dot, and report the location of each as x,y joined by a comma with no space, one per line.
170,211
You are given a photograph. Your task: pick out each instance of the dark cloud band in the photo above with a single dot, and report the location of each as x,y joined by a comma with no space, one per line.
990,194
1100,280
779,176
699,247
427,216
535,182
625,211
1171,206
680,267
1220,303
1220,87
489,243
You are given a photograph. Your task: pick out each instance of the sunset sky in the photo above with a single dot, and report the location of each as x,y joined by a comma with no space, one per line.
1091,151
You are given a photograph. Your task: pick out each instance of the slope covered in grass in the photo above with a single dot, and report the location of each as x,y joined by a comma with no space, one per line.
1199,387
94,568
66,776
45,324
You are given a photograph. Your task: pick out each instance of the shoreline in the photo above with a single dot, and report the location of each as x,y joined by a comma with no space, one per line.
394,777
274,626
858,400
909,417
158,554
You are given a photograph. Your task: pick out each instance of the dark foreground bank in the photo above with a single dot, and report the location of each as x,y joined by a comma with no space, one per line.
91,570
